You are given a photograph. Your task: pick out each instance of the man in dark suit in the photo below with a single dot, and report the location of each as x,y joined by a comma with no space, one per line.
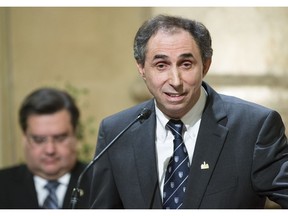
237,150
49,119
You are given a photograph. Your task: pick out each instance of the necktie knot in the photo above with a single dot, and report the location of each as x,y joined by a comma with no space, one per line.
176,127
52,185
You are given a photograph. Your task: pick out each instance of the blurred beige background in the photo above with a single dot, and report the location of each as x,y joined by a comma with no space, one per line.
89,50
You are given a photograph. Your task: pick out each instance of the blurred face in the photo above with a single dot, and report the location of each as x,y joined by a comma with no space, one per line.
50,144
173,71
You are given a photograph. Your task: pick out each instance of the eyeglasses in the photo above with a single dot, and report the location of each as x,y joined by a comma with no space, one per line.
60,139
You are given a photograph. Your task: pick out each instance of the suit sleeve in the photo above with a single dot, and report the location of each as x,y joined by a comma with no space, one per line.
270,163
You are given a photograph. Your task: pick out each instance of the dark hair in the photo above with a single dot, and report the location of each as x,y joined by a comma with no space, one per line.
149,28
48,101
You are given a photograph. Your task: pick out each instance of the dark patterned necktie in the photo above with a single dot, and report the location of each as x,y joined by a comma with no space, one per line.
51,202
177,170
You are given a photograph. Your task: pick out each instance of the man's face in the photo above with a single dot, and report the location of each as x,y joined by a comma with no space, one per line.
50,144
173,71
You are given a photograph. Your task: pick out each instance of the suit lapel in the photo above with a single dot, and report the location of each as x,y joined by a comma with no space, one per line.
210,140
145,155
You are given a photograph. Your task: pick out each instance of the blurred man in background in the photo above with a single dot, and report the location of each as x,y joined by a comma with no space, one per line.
49,119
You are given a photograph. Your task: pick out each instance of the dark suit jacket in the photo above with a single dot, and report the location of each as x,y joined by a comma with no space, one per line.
17,190
243,143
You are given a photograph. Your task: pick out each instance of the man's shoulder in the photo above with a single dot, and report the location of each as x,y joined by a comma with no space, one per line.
13,169
232,102
13,172
79,167
239,104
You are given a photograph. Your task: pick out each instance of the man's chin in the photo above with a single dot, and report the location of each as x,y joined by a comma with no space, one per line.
51,172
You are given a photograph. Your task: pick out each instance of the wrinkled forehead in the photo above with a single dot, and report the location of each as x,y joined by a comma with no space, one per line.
162,34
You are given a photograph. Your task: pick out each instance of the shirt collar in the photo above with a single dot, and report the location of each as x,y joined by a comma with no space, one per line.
64,180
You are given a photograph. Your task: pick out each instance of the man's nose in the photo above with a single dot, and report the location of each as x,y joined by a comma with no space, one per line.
175,77
50,146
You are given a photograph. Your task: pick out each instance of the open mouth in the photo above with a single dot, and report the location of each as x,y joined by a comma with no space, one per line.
175,96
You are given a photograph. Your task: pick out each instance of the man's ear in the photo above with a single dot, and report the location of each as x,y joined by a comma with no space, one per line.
141,71
206,66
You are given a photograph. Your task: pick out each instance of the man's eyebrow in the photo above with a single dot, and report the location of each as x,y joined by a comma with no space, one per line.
186,55
61,134
54,135
160,56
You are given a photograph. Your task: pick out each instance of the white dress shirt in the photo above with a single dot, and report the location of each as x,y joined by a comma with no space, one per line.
164,137
42,193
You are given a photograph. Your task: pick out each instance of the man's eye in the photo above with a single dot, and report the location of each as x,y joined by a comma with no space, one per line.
60,138
161,66
39,140
187,65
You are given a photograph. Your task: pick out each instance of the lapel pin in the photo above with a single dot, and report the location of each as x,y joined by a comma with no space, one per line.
204,165
81,192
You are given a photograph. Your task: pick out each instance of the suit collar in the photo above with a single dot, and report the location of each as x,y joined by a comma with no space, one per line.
214,105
